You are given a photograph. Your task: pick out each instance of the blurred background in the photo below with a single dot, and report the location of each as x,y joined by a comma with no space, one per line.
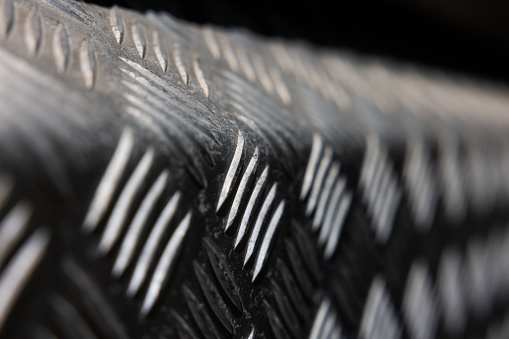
469,37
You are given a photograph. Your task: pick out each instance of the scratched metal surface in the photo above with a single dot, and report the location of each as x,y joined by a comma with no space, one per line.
161,179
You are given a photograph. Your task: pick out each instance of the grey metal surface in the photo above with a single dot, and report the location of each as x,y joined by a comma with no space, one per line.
161,178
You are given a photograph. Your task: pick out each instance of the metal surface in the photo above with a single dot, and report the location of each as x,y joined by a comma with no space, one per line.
162,179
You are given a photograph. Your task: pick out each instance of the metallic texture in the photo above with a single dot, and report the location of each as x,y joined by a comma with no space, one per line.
163,179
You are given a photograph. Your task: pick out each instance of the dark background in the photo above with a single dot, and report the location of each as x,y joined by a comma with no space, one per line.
466,36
